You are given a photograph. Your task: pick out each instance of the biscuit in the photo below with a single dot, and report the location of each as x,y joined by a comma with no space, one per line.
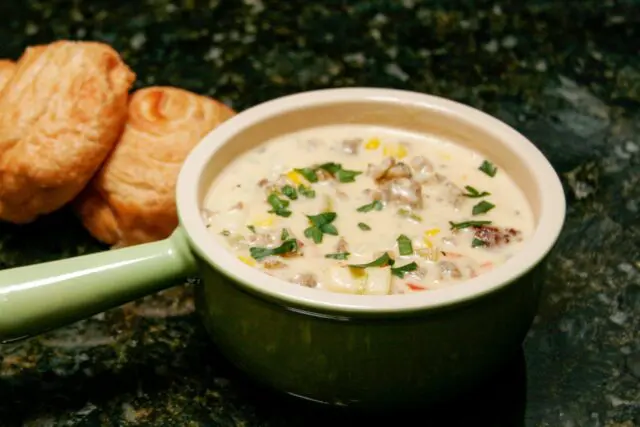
131,199
7,69
60,116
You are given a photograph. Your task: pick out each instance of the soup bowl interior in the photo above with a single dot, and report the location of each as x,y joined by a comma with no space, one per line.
398,110
359,350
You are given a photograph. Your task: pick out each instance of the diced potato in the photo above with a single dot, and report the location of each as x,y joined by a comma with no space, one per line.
372,144
341,279
378,281
264,220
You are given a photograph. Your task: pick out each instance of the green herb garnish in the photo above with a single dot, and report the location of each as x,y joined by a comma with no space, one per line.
382,261
375,205
406,213
338,255
488,168
404,245
322,219
329,229
321,225
482,207
279,205
225,233
287,247
342,175
476,243
472,193
284,235
314,234
308,173
290,192
252,229
364,227
467,224
404,269
307,192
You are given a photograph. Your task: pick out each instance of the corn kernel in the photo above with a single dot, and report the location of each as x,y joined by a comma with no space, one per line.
398,151
357,273
428,243
432,232
373,144
294,177
249,261
264,221
402,151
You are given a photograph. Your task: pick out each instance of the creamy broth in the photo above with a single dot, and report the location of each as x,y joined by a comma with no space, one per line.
365,210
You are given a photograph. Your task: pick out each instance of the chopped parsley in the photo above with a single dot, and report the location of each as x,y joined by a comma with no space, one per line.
404,269
476,243
472,193
375,205
287,247
404,245
252,228
467,224
307,192
338,255
279,206
342,175
488,168
385,260
364,227
284,235
482,207
225,233
308,173
335,169
314,234
321,225
290,192
406,213
382,261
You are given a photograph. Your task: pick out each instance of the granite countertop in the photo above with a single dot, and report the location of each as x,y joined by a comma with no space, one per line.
566,74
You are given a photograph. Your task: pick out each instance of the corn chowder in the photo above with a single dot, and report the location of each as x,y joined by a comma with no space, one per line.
365,210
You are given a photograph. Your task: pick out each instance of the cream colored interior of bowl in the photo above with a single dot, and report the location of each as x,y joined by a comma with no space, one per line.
404,117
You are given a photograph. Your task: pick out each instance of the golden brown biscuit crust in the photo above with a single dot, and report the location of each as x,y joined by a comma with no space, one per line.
60,115
131,199
7,69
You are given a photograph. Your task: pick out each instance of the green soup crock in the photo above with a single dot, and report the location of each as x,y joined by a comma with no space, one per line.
351,350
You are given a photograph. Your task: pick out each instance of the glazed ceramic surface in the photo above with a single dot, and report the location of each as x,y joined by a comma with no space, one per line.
367,362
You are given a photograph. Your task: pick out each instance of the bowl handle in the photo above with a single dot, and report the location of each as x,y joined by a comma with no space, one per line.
41,297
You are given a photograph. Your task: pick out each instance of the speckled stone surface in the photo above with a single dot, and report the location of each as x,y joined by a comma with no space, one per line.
566,74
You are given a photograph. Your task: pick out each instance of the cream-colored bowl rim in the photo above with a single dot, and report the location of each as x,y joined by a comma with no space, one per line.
552,208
